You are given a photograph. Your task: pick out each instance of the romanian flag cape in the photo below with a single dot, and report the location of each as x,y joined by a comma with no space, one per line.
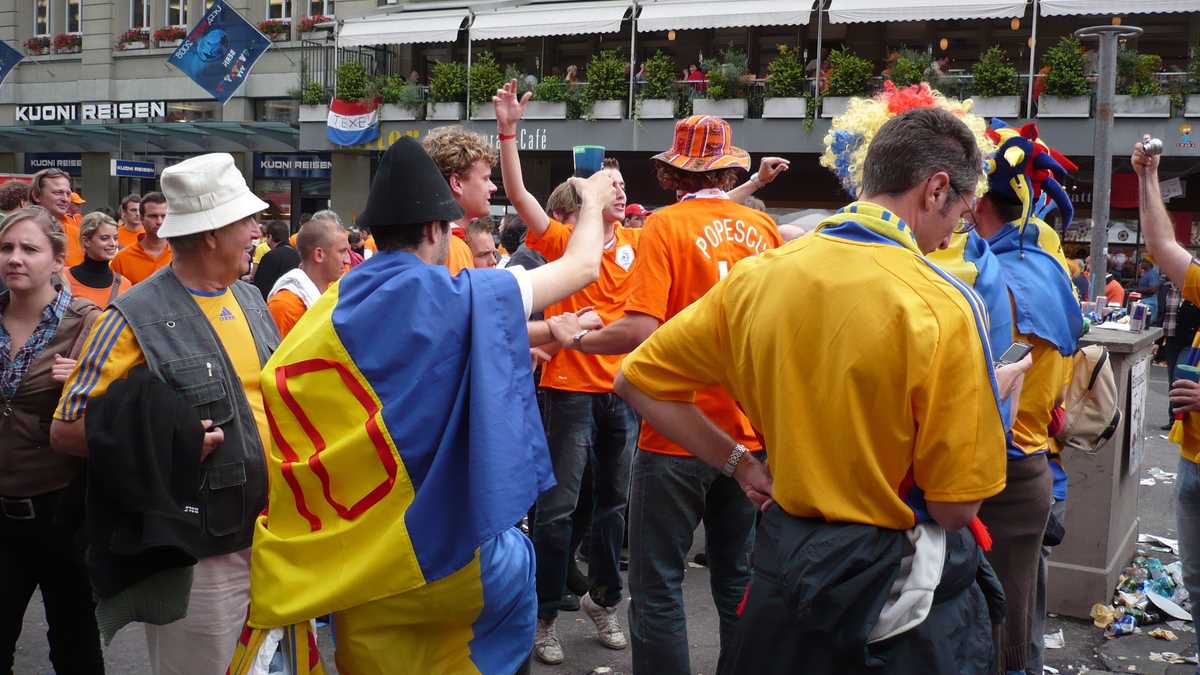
407,444
1035,271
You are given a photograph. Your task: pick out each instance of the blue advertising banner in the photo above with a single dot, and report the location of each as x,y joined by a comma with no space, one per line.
71,162
220,51
9,58
131,169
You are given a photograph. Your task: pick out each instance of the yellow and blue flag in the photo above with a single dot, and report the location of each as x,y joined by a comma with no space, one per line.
406,445
1035,271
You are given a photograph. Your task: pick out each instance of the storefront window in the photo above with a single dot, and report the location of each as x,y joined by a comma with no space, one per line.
320,7
139,13
41,17
177,12
277,110
278,193
73,16
193,111
279,9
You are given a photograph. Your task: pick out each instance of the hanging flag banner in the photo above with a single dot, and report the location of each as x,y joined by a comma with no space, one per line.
352,122
9,58
220,51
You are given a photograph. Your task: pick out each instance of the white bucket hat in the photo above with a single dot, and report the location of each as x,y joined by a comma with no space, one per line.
206,193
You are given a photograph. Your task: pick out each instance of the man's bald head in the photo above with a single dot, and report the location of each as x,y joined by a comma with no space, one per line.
317,233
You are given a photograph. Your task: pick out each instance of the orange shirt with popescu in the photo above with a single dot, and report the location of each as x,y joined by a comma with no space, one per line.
686,249
127,237
286,308
460,257
135,264
70,224
571,370
99,296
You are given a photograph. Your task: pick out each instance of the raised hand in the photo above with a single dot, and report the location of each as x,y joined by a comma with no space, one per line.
509,107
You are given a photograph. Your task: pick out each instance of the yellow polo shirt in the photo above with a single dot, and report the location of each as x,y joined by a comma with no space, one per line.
861,366
1187,432
111,351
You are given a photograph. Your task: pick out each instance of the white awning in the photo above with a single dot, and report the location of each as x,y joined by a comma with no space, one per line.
1069,7
403,28
687,14
557,18
863,11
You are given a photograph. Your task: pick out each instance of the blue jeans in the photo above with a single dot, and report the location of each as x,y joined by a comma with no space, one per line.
1187,514
669,497
582,427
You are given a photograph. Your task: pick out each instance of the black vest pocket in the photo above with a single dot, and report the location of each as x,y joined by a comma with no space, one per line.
223,497
200,380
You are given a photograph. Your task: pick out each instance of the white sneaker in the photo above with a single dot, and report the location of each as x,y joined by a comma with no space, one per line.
608,627
546,647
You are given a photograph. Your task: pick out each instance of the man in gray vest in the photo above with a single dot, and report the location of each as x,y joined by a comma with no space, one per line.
207,335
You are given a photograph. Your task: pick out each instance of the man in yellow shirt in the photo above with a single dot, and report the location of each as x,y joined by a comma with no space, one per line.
1184,271
207,335
881,443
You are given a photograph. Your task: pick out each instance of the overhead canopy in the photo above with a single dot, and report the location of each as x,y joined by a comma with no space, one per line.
862,11
154,136
687,14
1068,7
556,18
404,28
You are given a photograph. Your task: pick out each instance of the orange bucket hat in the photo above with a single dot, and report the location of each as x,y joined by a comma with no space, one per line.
704,143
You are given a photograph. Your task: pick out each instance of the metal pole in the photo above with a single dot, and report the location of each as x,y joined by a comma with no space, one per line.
817,75
469,67
1102,144
632,58
1032,53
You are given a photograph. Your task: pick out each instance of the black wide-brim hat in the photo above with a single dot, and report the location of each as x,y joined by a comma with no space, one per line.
408,190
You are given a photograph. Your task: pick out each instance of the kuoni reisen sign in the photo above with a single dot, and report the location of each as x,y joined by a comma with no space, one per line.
130,169
68,112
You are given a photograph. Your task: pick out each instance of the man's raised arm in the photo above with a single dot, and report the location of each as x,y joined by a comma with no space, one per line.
1170,256
580,262
509,109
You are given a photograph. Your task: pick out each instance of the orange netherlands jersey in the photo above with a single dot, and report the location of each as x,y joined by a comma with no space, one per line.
127,237
135,264
70,224
460,257
100,296
286,308
571,370
686,249
369,244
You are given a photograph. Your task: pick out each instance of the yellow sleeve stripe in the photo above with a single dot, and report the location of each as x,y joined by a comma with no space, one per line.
88,371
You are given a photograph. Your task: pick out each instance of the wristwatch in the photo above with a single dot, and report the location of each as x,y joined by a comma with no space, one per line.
577,339
735,458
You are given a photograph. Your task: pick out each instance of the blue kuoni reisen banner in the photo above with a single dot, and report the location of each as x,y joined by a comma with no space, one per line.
220,51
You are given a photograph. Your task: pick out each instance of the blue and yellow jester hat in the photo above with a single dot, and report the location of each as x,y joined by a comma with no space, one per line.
1026,170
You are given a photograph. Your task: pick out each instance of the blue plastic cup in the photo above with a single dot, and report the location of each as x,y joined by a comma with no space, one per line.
588,159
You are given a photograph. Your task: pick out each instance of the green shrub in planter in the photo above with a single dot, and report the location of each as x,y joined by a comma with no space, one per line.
397,90
552,89
606,77
486,77
785,74
725,74
660,77
1067,64
849,74
1135,73
994,75
448,82
353,83
312,93
910,67
512,72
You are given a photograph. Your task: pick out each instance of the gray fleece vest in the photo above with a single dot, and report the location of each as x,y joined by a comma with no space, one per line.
182,348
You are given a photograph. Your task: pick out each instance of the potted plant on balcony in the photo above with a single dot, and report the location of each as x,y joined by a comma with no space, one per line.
724,94
68,43
170,36
276,30
314,101
316,27
485,77
607,86
1066,92
1139,93
133,39
447,90
849,75
549,100
1192,108
785,84
38,45
402,100
656,99
909,67
994,83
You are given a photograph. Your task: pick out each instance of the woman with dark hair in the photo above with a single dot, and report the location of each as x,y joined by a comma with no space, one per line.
41,330
93,279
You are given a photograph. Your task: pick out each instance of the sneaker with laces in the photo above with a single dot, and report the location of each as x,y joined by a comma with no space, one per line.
546,647
608,627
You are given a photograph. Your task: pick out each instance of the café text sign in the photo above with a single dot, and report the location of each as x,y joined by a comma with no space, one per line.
72,112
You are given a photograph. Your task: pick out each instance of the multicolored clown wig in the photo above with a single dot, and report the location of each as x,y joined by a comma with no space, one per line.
851,133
